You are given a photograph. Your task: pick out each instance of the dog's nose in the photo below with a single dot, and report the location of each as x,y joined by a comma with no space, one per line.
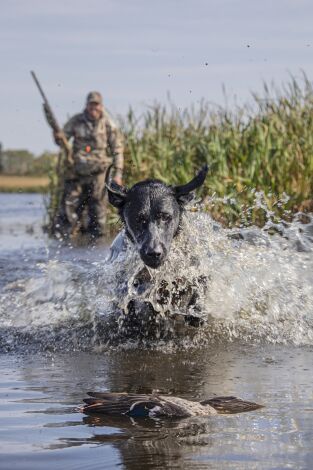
154,254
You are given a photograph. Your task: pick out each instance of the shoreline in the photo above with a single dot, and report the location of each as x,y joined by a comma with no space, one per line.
24,184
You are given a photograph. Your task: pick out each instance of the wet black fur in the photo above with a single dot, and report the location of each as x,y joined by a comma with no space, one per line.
151,212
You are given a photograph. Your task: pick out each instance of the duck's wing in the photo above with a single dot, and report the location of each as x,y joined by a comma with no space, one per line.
132,405
114,403
231,404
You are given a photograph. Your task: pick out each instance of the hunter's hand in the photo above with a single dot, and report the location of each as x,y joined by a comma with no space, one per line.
118,180
58,137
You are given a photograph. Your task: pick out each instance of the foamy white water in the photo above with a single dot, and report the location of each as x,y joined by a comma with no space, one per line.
251,286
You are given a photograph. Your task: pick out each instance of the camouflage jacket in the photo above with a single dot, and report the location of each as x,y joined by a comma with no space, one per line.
101,139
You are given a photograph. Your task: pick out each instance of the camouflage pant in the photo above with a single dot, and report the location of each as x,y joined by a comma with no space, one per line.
84,204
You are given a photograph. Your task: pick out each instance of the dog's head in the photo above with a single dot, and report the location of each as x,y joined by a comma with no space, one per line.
151,212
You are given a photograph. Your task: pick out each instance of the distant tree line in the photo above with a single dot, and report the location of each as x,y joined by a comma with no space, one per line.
20,162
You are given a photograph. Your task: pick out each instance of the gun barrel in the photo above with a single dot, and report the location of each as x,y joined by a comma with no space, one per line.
38,86
53,123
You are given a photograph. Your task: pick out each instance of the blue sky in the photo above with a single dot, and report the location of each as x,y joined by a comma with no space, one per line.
136,51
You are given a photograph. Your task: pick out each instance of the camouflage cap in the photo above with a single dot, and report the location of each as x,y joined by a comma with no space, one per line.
94,97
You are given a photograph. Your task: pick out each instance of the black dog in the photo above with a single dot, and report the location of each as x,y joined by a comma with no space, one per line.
151,212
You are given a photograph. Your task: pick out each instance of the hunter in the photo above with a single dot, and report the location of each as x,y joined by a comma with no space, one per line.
96,143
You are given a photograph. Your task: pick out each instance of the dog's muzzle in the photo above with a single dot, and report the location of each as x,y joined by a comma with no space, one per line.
153,258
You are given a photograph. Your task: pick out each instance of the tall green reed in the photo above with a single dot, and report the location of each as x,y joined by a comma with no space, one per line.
265,146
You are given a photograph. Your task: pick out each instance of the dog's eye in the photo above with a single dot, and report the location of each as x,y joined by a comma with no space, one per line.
165,217
142,220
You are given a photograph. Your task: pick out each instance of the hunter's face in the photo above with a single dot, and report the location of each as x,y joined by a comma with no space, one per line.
94,110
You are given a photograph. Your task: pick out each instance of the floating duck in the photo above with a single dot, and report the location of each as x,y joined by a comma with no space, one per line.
161,406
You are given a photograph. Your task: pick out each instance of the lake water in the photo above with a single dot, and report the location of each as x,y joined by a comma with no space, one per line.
257,343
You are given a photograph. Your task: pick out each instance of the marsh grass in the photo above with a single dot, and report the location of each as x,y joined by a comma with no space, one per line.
266,146
260,155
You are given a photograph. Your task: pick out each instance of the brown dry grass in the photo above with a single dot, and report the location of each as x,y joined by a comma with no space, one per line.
23,183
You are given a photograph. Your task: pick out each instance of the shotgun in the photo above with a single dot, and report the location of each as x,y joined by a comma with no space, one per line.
53,123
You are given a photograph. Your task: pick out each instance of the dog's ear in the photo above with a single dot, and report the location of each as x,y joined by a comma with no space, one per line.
117,194
183,199
185,193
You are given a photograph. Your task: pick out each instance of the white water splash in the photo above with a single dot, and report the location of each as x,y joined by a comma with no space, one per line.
251,286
